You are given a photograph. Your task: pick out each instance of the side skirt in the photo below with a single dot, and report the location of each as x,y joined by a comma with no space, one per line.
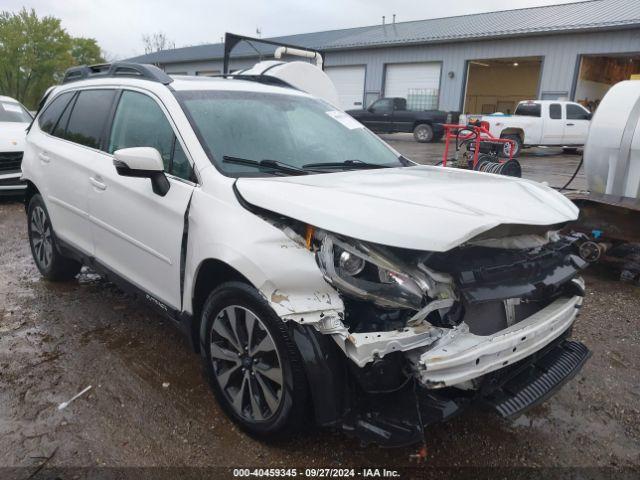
182,320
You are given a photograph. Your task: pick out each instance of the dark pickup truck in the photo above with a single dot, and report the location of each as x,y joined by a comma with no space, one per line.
390,115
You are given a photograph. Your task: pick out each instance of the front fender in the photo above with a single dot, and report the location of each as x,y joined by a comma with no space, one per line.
282,270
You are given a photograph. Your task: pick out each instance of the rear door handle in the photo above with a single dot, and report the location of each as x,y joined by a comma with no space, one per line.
44,157
97,183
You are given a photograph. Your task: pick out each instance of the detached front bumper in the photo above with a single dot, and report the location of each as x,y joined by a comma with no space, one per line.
462,356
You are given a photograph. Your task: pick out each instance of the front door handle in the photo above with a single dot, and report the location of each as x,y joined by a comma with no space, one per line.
570,124
97,183
44,157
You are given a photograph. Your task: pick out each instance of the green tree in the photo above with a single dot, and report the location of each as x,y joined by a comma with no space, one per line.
85,51
34,53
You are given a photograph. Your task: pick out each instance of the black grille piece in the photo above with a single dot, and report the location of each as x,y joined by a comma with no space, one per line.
10,162
541,380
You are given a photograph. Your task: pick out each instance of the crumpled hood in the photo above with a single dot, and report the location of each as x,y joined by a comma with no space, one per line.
421,208
12,136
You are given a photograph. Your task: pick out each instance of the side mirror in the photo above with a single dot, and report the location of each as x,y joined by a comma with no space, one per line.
142,162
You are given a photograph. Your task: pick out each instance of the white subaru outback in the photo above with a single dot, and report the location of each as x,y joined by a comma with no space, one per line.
319,273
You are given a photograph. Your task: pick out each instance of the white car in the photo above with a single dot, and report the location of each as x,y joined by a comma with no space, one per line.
317,271
14,120
551,123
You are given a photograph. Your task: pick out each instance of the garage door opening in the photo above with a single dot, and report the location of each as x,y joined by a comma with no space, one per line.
599,73
497,85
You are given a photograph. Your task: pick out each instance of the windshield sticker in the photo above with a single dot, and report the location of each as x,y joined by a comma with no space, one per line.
345,119
11,108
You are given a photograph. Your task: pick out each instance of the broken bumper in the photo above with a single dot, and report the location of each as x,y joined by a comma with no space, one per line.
460,357
399,418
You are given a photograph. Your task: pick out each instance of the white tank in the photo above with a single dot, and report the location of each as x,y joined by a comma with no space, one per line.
612,151
302,75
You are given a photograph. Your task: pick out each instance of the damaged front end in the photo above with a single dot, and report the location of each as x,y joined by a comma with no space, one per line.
425,334
449,329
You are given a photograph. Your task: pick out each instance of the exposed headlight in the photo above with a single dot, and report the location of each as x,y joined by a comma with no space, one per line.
351,264
362,272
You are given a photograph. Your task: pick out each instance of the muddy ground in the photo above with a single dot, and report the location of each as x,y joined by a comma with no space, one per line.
149,404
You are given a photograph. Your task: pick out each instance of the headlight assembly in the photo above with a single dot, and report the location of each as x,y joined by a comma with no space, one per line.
362,272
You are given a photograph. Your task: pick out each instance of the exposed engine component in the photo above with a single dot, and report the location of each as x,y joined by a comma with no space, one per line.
591,251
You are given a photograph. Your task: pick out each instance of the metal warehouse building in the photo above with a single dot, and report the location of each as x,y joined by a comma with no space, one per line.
480,63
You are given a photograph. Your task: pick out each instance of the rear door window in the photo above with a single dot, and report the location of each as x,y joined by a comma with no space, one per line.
89,118
528,110
575,112
49,118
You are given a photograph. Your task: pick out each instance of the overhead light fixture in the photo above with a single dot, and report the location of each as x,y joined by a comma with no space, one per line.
479,63
515,64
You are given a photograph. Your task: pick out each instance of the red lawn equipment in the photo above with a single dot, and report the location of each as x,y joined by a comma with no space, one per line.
480,150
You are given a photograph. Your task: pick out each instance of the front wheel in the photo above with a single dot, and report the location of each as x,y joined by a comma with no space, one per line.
46,255
253,366
423,133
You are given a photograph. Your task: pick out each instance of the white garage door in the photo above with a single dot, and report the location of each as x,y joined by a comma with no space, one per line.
349,82
419,83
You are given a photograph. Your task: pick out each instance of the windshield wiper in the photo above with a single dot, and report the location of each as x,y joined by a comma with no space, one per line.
355,164
269,164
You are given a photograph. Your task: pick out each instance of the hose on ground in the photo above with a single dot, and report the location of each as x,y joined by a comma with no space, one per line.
572,176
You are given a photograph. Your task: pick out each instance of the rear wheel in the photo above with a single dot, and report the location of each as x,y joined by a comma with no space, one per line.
253,366
51,263
423,133
517,146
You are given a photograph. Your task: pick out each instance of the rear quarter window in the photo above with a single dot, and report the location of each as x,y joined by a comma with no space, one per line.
528,110
555,111
49,118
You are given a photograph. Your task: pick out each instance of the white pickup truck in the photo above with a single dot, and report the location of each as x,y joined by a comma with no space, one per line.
539,123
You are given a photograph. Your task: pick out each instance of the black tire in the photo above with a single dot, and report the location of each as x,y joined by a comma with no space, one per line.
518,146
292,411
570,150
423,133
44,247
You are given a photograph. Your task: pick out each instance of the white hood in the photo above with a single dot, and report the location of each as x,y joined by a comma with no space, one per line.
12,136
421,208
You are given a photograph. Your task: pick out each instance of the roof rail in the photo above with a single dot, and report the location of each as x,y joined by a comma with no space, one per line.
117,69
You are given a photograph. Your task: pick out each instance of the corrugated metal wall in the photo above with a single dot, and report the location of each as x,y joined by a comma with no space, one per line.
560,59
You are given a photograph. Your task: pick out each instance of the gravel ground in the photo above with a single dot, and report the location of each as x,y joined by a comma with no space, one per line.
149,404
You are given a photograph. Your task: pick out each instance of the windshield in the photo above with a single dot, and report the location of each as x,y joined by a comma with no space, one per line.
301,132
13,112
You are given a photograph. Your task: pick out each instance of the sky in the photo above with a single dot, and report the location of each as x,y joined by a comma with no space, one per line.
118,25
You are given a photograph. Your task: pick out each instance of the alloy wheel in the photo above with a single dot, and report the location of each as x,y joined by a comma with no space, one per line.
41,237
246,363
